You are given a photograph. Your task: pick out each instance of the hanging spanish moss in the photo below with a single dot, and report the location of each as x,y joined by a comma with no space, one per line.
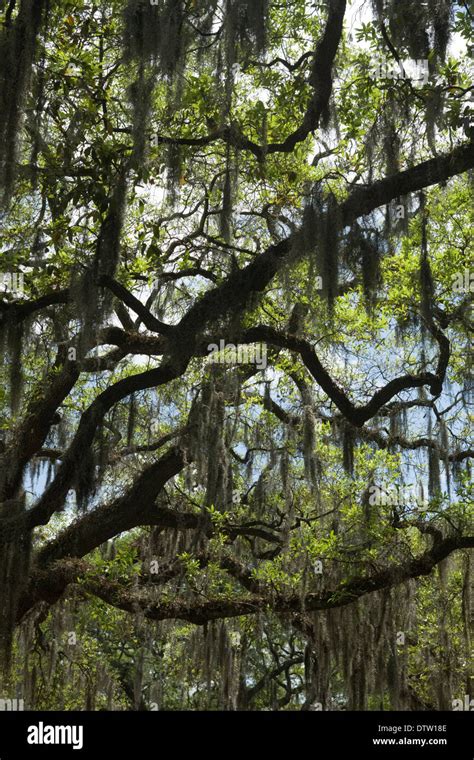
14,567
414,35
398,216
156,32
15,334
443,675
392,149
207,11
208,444
364,249
467,603
319,237
245,29
90,299
345,436
398,423
103,452
434,480
348,448
228,193
440,12
17,55
217,486
426,278
443,446
248,19
174,171
141,91
216,653
434,477
429,23
34,125
435,102
84,303
361,643
85,482
370,145
132,416
328,252
284,475
311,464
305,240
108,243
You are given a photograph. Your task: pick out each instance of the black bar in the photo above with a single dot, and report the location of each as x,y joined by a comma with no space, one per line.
308,734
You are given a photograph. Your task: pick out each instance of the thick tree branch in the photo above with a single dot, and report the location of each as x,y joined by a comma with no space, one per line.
365,199
151,322
54,496
17,311
357,415
200,611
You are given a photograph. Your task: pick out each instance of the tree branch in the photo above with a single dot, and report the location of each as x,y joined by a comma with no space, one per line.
200,611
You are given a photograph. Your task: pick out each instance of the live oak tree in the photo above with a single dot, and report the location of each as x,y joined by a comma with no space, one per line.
179,532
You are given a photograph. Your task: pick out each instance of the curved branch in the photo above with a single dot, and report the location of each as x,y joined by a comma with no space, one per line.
54,496
200,611
17,311
321,81
151,322
357,415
